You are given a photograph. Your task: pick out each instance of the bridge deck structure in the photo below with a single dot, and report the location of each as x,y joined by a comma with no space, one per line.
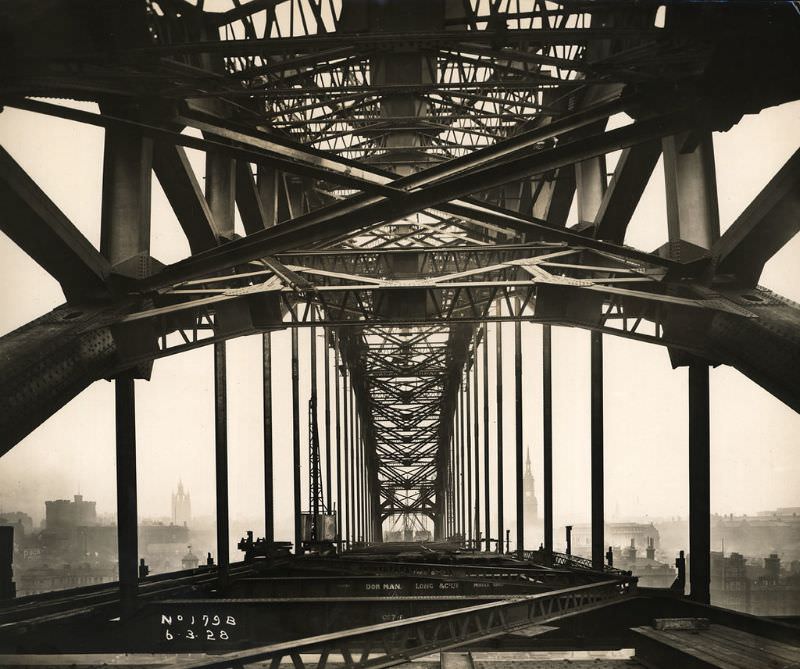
403,174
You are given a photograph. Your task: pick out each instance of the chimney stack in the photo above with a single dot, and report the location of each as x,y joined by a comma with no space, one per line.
631,552
651,548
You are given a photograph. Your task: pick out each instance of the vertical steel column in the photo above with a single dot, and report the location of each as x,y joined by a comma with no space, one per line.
450,486
364,484
501,532
518,433
477,445
443,507
454,473
463,482
486,486
269,496
691,189
221,425
356,473
327,379
453,470
699,485
313,506
221,192
452,480
124,235
590,183
337,411
269,193
370,488
313,503
598,491
356,483
547,436
127,516
453,485
367,495
298,535
361,479
346,413
468,515
351,502
368,506
367,487
362,507
693,225
125,215
360,476
377,533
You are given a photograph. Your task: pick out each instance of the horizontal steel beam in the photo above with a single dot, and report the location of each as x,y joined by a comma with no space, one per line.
360,211
390,41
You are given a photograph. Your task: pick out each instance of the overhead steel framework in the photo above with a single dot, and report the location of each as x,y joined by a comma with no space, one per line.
404,173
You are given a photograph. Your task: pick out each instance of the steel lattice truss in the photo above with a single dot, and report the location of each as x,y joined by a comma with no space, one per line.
400,169
406,375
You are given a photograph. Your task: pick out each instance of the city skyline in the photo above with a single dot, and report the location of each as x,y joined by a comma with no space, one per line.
109,512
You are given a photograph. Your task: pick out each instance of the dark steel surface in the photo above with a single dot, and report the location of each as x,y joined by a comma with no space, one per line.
400,265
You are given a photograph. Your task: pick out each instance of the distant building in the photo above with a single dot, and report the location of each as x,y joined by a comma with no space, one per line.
651,572
758,586
758,536
163,546
17,519
64,514
782,512
44,578
190,560
530,508
618,535
181,507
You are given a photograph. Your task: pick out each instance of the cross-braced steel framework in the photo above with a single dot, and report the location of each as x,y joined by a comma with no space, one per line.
404,173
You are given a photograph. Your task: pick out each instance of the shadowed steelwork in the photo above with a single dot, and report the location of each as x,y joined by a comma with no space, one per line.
404,172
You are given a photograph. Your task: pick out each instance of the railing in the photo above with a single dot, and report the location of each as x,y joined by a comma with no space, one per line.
400,641
502,573
563,560
24,612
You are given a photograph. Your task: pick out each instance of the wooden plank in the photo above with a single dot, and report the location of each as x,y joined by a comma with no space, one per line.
729,656
456,661
725,648
752,643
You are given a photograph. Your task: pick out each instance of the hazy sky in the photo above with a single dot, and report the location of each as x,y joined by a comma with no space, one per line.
755,450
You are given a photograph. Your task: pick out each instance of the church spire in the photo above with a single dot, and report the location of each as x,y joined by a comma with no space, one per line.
529,490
